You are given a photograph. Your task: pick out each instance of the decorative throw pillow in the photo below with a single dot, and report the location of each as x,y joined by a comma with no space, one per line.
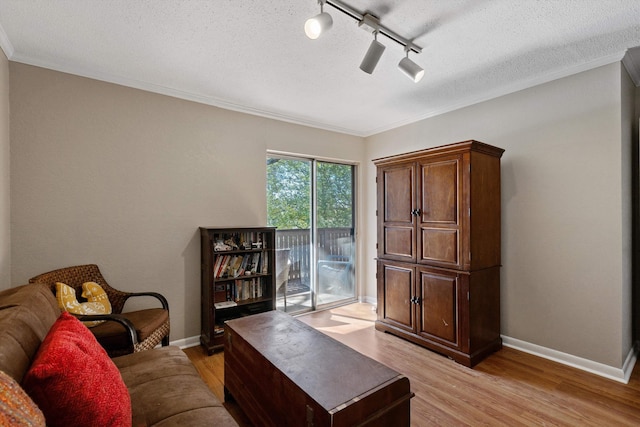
93,292
16,408
68,301
73,380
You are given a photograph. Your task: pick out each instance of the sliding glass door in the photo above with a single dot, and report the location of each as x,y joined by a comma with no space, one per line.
312,204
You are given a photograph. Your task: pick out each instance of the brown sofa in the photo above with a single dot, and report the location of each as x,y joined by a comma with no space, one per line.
164,386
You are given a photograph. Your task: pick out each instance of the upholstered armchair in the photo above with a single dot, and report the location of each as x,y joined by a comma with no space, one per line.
122,332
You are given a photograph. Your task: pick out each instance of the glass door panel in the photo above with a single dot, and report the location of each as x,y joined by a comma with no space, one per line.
289,209
335,231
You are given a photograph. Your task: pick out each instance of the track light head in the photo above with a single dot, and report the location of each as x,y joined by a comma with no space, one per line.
411,69
372,56
371,24
318,24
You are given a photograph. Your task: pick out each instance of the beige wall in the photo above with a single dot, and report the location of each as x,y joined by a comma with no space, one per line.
565,226
113,175
627,129
123,178
5,224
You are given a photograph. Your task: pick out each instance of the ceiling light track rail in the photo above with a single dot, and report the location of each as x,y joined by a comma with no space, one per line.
392,35
318,24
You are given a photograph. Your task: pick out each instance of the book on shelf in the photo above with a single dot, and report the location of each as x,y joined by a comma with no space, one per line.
222,266
245,266
234,265
216,266
265,263
224,304
255,262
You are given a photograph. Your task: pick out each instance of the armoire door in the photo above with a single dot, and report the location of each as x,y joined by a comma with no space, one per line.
439,226
397,212
395,295
439,317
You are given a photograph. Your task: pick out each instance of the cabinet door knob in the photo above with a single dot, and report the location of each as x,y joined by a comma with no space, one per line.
415,212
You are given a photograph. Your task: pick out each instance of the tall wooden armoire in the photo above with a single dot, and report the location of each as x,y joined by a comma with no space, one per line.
438,265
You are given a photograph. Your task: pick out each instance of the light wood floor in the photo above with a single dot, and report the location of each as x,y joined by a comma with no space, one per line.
509,388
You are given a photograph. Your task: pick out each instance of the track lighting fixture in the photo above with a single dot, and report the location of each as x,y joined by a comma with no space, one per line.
318,24
372,56
410,68
376,48
315,26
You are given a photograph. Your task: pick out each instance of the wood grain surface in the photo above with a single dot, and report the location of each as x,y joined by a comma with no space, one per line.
509,388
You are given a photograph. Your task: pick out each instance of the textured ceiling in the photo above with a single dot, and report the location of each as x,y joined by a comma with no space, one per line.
253,56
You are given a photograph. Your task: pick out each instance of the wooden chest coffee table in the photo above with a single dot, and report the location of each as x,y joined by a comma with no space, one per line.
282,372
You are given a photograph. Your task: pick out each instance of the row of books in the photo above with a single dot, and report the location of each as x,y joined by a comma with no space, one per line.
240,290
241,265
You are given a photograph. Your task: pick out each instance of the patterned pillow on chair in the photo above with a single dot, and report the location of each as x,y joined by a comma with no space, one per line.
94,293
98,302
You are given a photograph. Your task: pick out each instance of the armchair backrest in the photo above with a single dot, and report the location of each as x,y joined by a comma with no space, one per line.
77,275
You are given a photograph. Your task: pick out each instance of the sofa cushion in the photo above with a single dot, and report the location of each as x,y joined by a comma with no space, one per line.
16,408
167,375
73,380
26,314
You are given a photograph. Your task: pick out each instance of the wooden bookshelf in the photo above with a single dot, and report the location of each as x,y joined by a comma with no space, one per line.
237,278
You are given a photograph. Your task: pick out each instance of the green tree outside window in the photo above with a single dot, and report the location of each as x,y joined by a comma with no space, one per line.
289,190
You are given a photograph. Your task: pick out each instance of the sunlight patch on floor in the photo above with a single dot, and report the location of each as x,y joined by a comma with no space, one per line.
346,325
342,320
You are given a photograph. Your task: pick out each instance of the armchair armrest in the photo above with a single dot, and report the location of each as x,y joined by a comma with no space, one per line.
160,297
128,326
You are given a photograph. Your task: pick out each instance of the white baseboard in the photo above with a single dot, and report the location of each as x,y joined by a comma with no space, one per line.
370,300
617,374
187,342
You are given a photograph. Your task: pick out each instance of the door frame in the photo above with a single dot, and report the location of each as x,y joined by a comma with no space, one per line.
357,245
